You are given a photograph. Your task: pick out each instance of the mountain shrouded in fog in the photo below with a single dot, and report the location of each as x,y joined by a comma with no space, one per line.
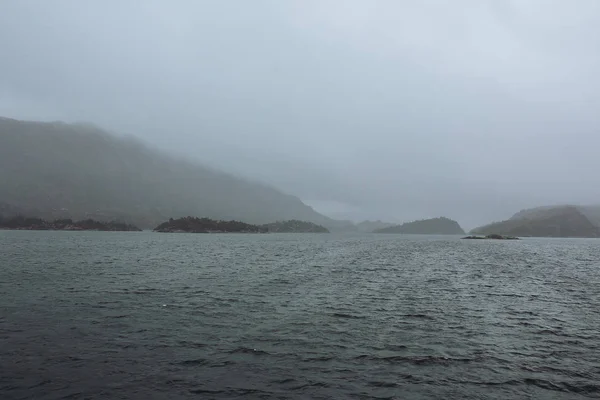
548,221
80,171
366,110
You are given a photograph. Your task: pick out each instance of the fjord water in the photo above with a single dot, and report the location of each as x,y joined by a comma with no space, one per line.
169,316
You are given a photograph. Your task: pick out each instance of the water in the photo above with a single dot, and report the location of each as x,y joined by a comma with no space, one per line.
169,316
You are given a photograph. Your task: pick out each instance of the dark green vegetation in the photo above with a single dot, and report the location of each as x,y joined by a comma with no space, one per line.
207,225
35,224
560,221
493,236
433,226
57,170
295,226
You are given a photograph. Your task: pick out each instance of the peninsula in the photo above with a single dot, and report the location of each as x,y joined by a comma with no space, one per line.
38,224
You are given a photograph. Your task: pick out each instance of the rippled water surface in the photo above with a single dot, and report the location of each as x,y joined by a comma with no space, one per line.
169,316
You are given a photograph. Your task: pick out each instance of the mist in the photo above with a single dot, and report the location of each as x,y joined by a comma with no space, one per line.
365,110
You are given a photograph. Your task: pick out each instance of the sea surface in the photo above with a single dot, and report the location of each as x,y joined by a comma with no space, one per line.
141,315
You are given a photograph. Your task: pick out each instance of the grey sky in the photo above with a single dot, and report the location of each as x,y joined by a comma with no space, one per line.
471,109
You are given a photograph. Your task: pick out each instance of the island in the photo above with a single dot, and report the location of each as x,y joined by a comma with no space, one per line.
493,236
294,226
560,221
207,225
39,224
432,226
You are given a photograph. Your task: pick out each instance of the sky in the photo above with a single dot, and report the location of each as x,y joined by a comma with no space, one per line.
395,110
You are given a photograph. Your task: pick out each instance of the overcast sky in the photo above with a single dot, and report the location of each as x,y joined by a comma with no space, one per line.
470,109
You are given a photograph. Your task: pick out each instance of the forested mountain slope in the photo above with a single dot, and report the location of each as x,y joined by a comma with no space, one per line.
80,171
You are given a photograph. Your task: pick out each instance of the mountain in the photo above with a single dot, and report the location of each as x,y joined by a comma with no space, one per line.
532,213
9,210
433,226
591,212
58,170
551,221
371,226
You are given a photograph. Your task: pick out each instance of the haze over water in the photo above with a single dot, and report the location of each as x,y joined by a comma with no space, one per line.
151,316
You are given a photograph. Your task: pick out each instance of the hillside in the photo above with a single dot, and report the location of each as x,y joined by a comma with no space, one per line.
592,213
433,226
371,226
560,221
58,170
532,213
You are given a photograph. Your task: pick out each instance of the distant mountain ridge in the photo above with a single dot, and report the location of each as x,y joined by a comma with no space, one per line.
294,226
59,170
591,212
547,221
432,226
371,226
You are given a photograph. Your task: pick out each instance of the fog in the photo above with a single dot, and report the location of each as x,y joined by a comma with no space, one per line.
396,110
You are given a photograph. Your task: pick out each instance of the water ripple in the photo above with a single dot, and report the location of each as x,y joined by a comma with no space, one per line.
145,316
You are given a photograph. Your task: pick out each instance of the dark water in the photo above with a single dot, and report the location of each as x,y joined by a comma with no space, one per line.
169,316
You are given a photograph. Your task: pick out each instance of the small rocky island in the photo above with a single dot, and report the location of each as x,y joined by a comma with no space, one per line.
207,225
294,226
493,237
38,224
